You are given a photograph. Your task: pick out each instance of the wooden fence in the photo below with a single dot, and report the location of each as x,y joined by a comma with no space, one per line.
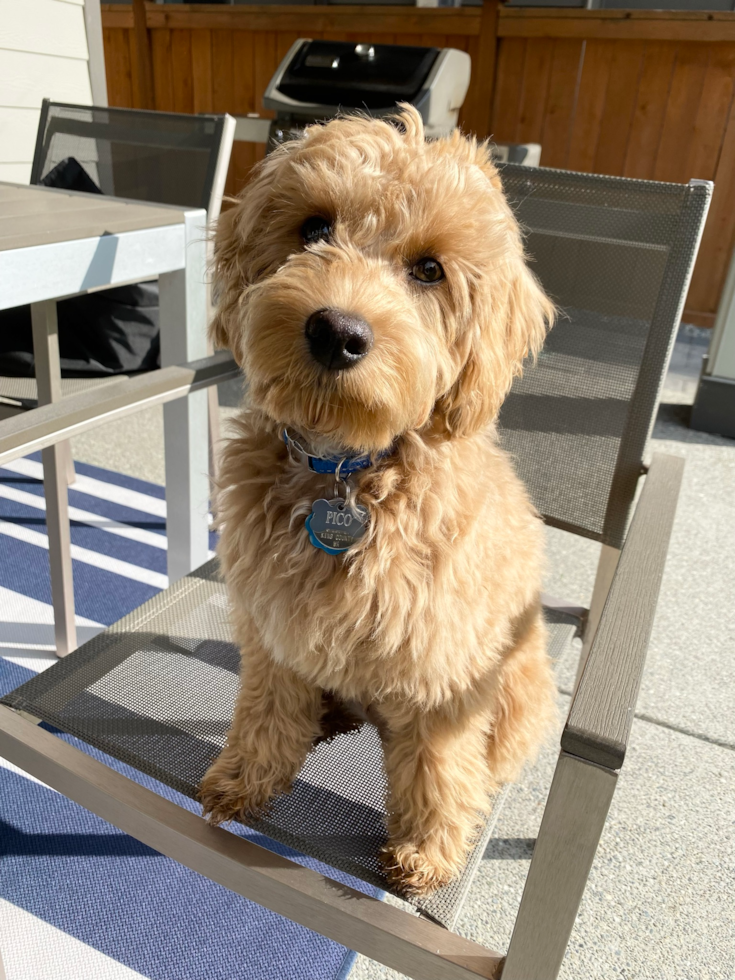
635,93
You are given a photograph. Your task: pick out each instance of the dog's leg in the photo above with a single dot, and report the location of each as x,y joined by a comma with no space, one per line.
524,703
276,721
439,785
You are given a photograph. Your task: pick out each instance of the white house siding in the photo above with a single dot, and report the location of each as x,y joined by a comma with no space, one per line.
43,54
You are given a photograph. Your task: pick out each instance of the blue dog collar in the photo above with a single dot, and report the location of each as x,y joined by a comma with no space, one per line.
342,465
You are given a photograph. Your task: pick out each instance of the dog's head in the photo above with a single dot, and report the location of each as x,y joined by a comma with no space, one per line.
371,282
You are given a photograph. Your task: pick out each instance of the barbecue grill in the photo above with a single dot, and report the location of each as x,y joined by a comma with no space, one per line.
319,79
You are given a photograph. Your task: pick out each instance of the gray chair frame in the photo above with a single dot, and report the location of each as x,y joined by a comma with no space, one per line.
593,747
593,744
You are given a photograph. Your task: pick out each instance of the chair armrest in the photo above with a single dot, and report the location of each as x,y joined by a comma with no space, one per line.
601,714
49,424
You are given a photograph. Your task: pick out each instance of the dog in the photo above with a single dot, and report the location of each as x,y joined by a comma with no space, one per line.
374,289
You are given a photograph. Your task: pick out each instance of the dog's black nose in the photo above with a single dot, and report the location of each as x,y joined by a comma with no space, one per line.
336,339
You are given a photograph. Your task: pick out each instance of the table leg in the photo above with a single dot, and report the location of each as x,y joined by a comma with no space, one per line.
183,299
71,473
56,461
212,396
215,433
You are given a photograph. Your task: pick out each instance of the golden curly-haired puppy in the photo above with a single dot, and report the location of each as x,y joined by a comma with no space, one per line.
374,289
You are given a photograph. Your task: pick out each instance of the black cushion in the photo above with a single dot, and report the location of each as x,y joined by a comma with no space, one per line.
114,331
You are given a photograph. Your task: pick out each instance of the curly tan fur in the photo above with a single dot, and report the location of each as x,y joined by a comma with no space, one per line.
432,620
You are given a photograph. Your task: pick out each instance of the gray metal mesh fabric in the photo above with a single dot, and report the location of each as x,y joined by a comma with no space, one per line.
616,256
157,691
162,157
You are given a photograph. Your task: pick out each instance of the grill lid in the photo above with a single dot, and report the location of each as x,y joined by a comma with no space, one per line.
357,75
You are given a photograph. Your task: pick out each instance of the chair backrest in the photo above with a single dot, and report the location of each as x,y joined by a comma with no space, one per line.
616,255
161,157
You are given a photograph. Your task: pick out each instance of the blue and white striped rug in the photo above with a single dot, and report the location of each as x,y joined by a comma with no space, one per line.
79,900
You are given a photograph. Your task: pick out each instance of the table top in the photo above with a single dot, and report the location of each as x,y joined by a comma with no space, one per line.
31,215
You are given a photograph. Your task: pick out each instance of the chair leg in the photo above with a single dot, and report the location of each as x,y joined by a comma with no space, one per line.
570,831
55,478
605,570
71,473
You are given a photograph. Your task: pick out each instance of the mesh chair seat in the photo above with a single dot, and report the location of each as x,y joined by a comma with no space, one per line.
565,419
157,691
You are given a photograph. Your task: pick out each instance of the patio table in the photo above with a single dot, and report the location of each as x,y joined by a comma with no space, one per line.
55,244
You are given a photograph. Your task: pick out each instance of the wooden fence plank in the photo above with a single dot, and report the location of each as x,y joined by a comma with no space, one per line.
586,25
332,19
719,234
181,68
535,87
137,101
117,66
265,63
163,83
508,88
612,14
681,112
590,105
244,77
201,70
143,57
620,101
223,82
561,101
458,41
648,116
714,107
477,116
284,40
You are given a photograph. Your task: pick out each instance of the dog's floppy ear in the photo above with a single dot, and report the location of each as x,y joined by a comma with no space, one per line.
237,256
511,327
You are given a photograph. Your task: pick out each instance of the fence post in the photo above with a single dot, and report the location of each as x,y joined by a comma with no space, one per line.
144,58
483,51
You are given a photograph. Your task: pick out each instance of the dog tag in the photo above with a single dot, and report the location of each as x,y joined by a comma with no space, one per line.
333,526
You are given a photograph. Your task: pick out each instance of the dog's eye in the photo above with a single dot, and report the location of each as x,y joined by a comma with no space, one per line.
427,270
315,230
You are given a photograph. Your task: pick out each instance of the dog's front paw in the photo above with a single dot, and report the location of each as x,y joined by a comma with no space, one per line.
419,869
234,788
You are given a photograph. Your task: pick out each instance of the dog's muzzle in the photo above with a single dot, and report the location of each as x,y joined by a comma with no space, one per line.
338,340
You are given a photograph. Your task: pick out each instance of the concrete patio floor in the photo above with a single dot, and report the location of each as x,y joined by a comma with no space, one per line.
660,902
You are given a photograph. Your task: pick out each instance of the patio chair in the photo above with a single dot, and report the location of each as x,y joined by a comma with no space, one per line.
155,691
155,157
